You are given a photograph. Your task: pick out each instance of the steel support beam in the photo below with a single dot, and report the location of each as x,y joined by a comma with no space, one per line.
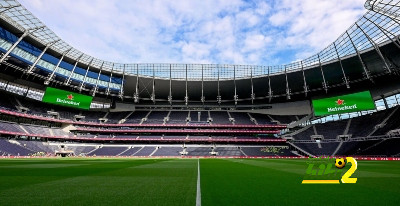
203,99
121,91
235,97
186,86
170,85
97,80
9,7
270,92
305,87
345,78
324,83
219,99
50,77
84,78
40,56
73,70
136,94
252,96
109,82
366,72
287,86
384,31
376,48
153,93
13,46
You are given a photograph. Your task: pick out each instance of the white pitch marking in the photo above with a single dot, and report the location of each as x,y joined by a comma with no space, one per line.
198,195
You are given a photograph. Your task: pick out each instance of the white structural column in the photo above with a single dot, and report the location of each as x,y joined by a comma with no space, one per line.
366,72
186,86
50,77
121,91
153,93
304,79
376,48
287,85
270,92
384,31
136,94
202,99
97,80
84,78
345,78
40,56
235,97
73,70
13,46
324,83
219,99
252,96
170,85
109,81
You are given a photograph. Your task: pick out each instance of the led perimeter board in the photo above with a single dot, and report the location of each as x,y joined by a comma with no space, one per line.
343,104
66,98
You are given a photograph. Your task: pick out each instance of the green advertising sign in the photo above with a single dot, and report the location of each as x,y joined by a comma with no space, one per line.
66,98
343,104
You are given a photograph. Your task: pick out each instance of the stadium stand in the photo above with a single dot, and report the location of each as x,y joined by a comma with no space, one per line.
128,117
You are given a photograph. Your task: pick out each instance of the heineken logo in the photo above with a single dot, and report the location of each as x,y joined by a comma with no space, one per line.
341,106
66,98
70,97
340,102
69,100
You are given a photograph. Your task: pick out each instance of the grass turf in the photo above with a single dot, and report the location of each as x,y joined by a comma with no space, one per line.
173,182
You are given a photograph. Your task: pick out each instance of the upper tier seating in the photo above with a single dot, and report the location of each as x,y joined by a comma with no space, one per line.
241,118
305,135
331,130
91,116
156,117
327,148
177,117
8,103
115,117
261,118
220,117
362,126
285,119
136,117
11,127
392,123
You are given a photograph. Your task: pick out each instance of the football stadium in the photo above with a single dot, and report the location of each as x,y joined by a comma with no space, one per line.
79,130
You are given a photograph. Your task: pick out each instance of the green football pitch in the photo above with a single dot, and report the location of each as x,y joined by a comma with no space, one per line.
175,182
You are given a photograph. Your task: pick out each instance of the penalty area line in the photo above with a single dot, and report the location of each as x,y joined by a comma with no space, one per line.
198,194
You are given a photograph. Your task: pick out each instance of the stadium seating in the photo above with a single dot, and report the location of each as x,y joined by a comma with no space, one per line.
168,151
15,149
107,151
177,117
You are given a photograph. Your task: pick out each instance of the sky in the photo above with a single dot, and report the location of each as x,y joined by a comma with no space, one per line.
258,32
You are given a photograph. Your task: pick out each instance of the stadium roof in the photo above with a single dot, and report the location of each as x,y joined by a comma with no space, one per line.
377,26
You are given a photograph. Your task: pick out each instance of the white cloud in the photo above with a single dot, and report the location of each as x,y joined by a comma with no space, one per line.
198,31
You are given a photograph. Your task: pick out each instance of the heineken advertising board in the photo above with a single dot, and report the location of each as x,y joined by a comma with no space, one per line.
343,104
66,98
